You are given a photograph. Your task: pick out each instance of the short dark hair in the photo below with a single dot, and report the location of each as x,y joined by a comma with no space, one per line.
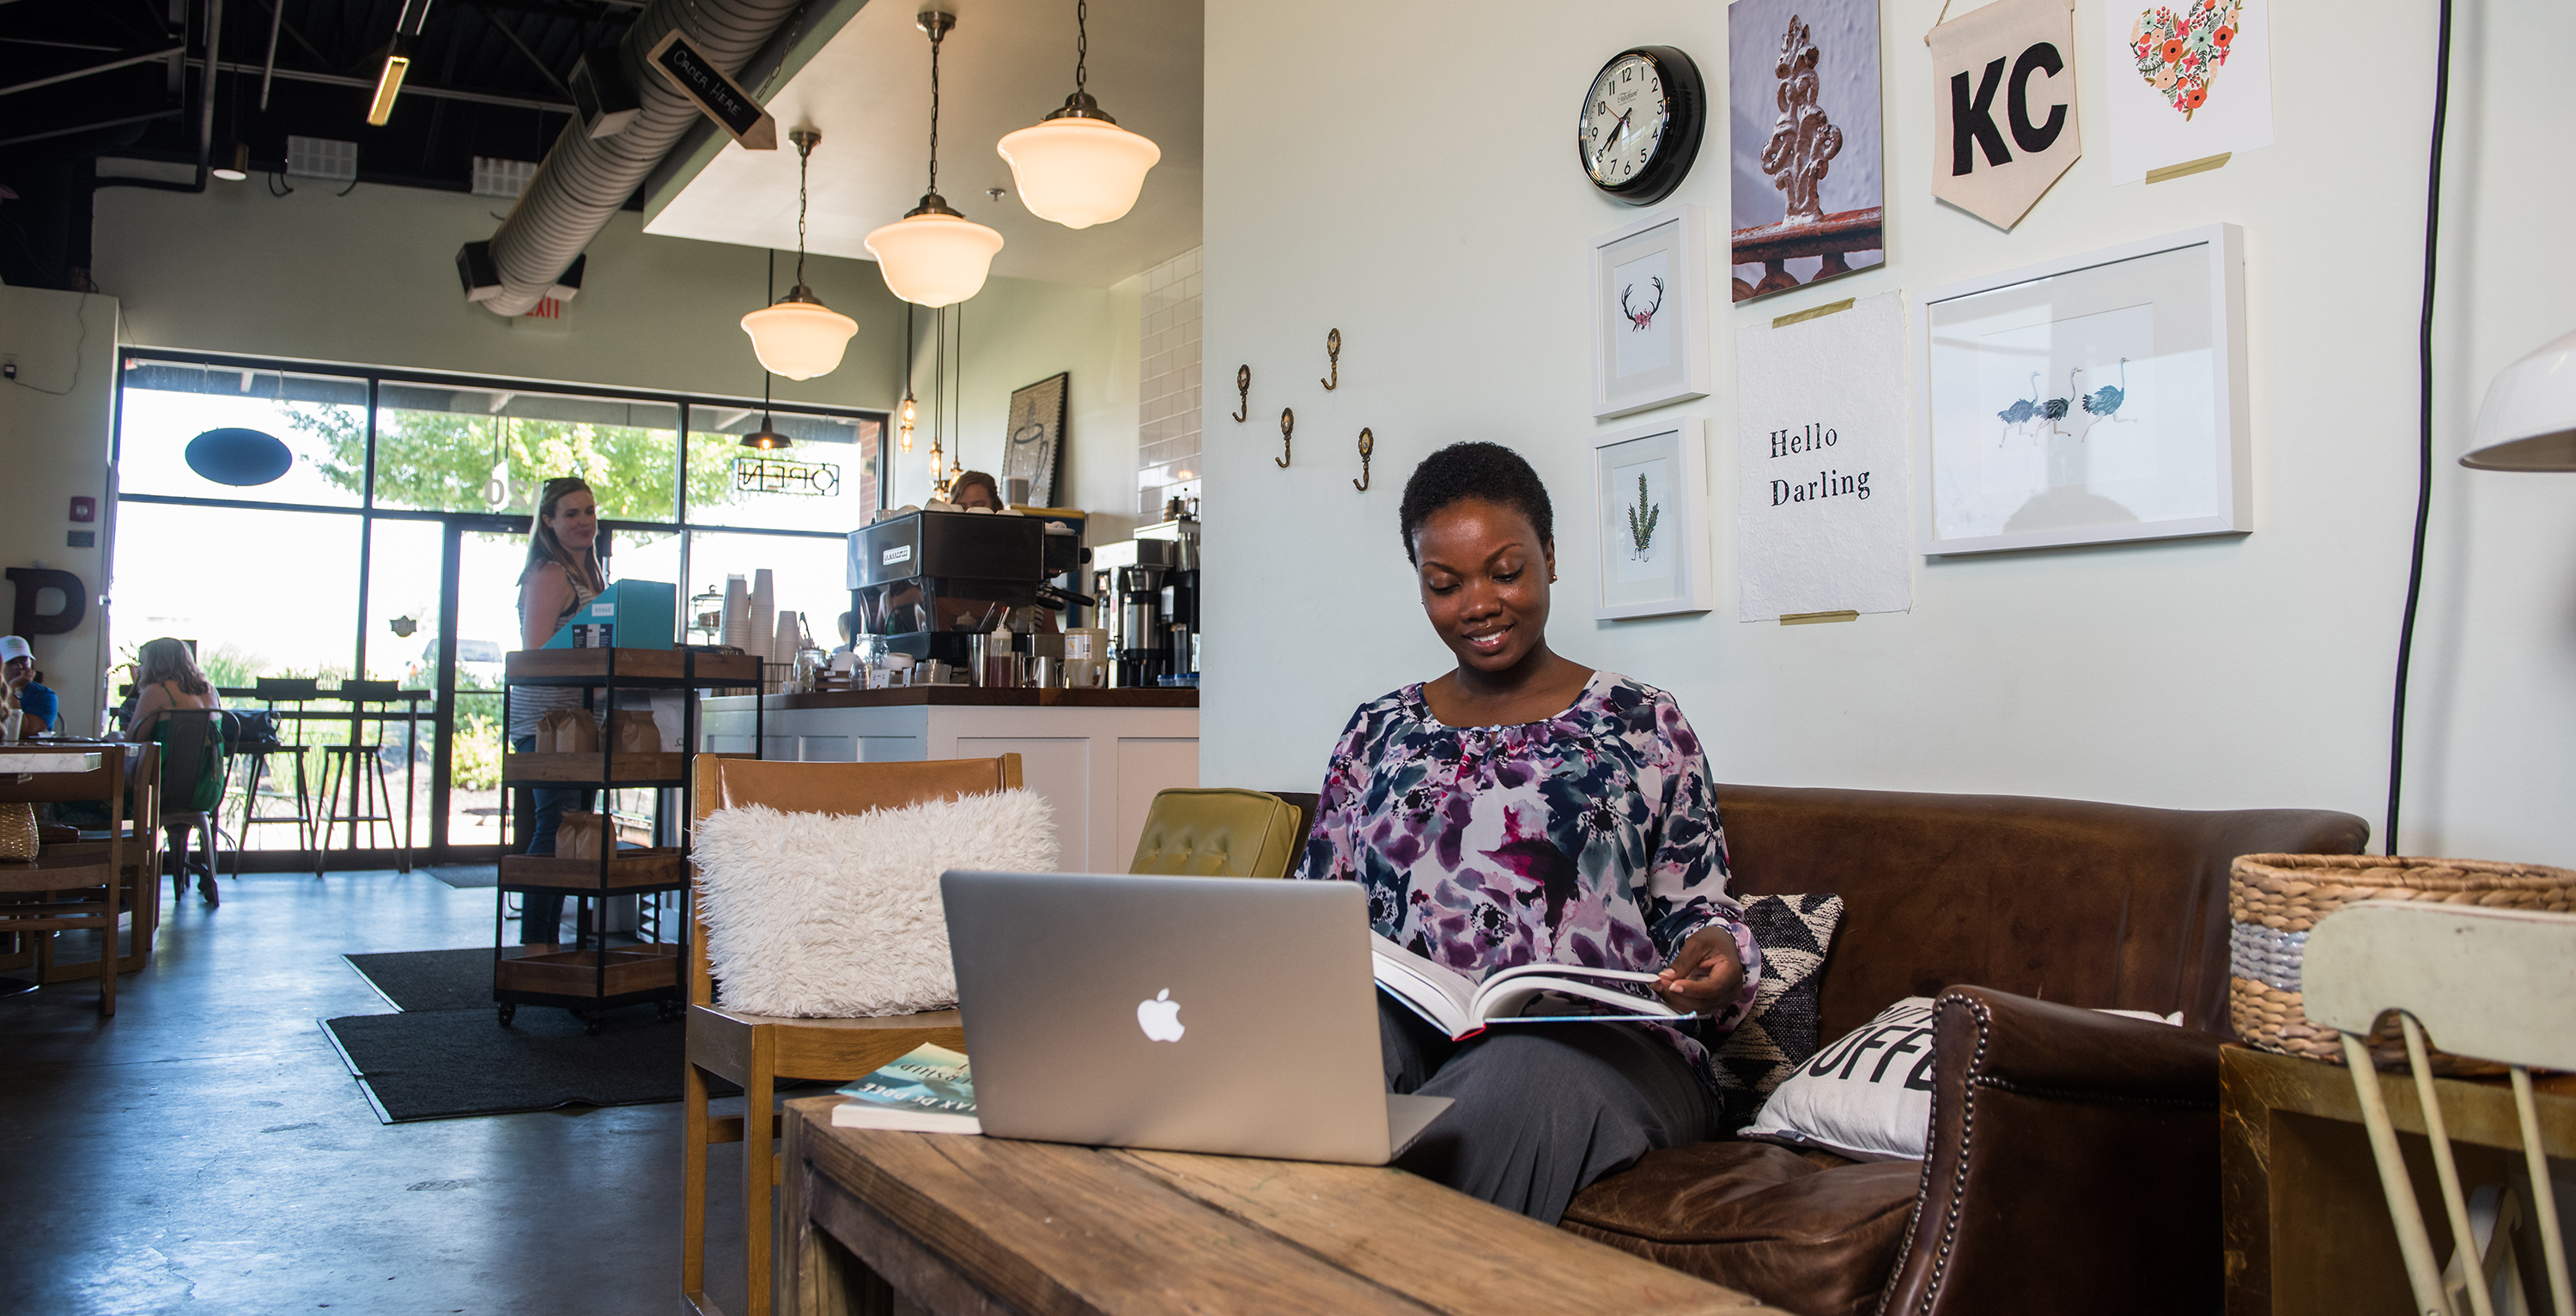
1474,470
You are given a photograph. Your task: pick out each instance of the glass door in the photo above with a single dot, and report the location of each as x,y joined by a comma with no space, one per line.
479,624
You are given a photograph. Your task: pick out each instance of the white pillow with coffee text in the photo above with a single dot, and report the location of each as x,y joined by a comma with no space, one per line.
1868,1096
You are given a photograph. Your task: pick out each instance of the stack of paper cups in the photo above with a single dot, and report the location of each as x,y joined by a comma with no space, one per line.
764,614
737,613
783,648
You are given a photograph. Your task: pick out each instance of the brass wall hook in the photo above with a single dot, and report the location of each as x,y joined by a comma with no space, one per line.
1368,444
1287,430
1333,349
1243,385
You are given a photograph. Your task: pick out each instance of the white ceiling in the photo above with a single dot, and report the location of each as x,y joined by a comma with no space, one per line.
1003,67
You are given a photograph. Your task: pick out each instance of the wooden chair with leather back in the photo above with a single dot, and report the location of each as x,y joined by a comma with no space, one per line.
1218,832
755,1051
73,886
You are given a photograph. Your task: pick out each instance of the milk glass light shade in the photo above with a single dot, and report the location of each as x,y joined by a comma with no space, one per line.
1078,171
2528,421
934,257
799,337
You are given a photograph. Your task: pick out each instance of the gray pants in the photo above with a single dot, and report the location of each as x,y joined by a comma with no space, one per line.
1542,1109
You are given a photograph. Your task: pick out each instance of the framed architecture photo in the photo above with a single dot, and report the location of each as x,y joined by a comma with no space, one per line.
1033,459
1808,193
1650,516
2092,400
1650,313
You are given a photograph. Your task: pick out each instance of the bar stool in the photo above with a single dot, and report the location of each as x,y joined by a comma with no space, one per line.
362,780
272,691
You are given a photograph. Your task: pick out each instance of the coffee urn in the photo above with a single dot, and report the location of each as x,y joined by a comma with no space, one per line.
1149,604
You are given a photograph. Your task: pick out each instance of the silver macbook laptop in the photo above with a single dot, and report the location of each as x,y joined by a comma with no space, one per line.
1203,1014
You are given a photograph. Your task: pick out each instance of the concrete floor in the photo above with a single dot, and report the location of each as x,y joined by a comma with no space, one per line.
206,1150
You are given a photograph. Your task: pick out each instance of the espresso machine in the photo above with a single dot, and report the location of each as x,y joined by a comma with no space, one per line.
1148,589
926,581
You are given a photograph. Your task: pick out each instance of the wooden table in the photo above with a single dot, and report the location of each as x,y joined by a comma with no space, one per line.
990,1225
2306,1223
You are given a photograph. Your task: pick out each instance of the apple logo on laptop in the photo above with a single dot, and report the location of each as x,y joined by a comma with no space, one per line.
1161,1017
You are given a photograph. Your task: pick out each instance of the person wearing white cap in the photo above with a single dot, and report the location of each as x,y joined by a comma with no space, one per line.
25,692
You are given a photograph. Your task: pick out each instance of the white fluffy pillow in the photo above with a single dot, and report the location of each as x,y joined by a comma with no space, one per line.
1869,1095
834,916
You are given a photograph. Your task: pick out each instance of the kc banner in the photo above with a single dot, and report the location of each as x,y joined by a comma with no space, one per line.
2003,107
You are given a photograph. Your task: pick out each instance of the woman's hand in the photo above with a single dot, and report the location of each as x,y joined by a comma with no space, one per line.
1706,973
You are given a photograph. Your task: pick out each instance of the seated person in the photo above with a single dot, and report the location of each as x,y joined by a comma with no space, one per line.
1520,809
25,688
166,677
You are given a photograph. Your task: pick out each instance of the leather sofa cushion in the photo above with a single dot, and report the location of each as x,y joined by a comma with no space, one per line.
1215,832
1807,1232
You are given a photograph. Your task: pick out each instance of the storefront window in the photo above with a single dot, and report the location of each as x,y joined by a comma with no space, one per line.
344,561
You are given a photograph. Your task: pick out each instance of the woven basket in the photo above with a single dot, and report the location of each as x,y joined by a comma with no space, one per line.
17,831
2274,901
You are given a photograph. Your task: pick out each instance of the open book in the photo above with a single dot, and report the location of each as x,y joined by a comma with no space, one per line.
926,1090
1458,1005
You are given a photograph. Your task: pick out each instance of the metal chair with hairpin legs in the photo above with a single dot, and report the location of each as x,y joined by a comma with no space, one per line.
2495,984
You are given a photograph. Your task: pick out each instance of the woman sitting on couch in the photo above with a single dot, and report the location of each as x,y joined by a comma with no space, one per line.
1525,809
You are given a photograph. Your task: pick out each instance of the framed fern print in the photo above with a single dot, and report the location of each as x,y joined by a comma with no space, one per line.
1650,517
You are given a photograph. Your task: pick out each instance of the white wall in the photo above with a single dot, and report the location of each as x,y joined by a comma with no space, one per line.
2203,674
53,423
1017,332
370,279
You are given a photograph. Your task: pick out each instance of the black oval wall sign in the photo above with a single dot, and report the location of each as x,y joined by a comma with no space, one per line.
239,457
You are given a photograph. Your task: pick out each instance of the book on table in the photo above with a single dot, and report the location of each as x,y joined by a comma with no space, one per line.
926,1090
1525,993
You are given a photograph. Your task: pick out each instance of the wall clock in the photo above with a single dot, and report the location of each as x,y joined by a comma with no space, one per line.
1641,122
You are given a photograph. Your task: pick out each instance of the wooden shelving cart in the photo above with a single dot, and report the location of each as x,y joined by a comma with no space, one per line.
589,981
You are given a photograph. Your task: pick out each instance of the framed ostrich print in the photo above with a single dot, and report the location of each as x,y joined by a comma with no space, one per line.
1650,313
1650,519
2092,400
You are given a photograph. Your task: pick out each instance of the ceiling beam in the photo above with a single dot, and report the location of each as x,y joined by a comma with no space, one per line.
91,71
409,88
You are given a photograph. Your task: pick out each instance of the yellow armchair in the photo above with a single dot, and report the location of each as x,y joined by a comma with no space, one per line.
1219,833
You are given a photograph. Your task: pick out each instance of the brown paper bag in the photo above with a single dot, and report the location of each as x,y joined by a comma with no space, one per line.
633,731
568,731
577,836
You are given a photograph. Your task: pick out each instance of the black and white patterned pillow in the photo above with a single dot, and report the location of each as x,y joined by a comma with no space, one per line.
1782,1032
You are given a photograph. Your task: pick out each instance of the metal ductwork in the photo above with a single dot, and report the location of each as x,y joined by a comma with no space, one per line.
585,178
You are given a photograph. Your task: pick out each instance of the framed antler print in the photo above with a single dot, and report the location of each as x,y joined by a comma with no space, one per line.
1650,313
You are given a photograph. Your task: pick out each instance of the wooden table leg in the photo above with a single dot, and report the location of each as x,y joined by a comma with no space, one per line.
822,1278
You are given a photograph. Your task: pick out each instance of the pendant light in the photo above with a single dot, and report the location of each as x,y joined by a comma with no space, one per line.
798,336
934,256
1077,167
2528,421
910,411
766,439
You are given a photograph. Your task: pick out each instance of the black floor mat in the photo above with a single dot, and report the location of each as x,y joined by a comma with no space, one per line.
416,980
440,1064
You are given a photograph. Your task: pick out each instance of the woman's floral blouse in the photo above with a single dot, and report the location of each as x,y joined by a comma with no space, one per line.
1591,838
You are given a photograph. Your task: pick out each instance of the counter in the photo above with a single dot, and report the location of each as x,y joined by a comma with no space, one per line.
1098,756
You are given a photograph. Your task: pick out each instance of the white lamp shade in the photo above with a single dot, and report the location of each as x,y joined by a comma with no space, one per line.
2528,422
1078,172
799,340
934,259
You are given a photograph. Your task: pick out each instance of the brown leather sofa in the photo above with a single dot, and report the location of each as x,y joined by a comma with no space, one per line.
2073,1163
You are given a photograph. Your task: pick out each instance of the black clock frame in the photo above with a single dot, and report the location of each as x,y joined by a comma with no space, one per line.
1685,107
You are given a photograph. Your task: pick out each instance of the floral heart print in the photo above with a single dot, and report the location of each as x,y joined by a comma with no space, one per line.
2178,56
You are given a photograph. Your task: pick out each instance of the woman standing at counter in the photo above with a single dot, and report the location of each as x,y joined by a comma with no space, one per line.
1523,808
562,574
